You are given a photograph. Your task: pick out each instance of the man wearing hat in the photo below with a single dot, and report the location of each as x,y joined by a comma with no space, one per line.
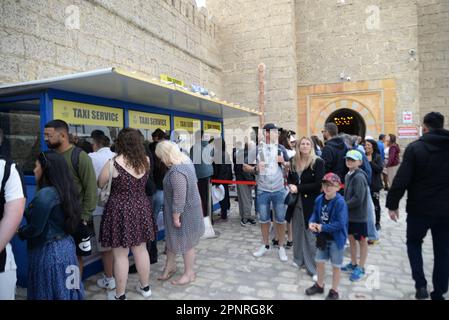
271,191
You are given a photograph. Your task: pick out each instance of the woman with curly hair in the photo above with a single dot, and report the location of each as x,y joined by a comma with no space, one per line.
127,221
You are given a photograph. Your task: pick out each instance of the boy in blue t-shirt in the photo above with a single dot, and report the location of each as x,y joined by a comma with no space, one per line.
330,222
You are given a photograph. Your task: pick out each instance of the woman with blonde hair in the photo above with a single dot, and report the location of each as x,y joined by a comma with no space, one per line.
183,218
304,179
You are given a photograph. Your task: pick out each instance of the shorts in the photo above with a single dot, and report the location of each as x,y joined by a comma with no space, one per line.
266,200
359,230
82,237
97,223
331,252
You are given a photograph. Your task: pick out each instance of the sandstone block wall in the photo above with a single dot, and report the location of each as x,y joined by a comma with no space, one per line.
41,39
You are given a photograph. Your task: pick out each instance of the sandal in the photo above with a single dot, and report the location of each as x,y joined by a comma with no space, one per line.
168,276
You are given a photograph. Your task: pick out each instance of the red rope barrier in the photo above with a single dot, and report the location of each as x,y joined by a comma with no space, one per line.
251,183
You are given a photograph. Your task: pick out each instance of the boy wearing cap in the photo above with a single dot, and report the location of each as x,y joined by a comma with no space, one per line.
330,222
356,185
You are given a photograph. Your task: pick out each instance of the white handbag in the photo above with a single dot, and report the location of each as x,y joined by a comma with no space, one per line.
106,190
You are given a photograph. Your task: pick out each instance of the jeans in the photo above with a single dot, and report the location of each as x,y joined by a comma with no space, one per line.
158,201
417,228
276,199
332,253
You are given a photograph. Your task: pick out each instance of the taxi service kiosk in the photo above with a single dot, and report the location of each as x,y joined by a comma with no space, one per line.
108,99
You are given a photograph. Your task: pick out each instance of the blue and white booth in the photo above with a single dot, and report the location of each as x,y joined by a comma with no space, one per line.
107,99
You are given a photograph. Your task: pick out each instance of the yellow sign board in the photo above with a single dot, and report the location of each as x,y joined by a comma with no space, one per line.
213,128
170,79
87,114
187,124
151,121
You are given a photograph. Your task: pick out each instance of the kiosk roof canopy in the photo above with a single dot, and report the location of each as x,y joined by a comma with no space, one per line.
116,84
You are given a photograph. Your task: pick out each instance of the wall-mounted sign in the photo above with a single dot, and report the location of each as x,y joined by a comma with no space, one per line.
87,114
213,128
151,121
187,124
407,117
167,78
408,132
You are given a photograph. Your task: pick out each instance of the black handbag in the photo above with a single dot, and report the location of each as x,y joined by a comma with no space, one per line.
290,199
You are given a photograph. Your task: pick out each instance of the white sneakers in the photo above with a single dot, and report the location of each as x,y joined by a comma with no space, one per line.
144,293
262,250
282,254
106,283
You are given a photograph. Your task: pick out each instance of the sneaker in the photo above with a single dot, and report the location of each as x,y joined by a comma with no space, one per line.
275,242
295,264
106,283
262,250
112,296
372,242
349,268
422,294
251,221
282,254
357,274
314,290
244,222
378,227
289,244
145,292
333,295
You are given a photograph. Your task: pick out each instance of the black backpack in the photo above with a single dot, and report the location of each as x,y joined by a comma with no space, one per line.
6,175
75,158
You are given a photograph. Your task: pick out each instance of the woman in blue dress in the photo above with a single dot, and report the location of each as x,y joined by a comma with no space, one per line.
52,216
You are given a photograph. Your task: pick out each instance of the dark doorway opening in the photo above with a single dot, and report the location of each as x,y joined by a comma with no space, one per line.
348,121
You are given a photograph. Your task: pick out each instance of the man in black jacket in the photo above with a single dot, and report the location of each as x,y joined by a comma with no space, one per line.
334,151
424,173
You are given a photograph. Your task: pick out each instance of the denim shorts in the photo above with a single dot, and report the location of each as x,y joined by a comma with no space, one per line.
267,200
331,252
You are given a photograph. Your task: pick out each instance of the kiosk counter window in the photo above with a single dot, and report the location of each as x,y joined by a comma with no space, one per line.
84,118
147,123
19,133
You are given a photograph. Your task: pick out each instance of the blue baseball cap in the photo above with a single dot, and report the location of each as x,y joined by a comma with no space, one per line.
354,155
270,126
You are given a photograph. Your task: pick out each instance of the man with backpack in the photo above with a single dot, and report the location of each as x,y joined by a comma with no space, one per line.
12,205
56,134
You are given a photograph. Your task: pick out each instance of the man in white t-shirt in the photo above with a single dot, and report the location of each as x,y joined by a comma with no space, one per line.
12,200
102,153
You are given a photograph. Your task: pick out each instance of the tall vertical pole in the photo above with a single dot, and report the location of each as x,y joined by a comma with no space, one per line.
261,69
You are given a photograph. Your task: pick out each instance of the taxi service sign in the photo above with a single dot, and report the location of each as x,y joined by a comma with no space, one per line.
187,124
151,121
78,113
213,128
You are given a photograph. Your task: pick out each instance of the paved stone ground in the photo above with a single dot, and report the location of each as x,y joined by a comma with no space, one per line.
226,269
